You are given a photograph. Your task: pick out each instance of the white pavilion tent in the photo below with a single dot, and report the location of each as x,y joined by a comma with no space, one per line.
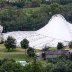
57,30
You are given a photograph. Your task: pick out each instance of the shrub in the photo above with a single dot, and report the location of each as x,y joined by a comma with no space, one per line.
30,52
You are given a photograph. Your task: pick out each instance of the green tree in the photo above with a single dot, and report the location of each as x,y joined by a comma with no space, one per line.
35,3
56,8
30,52
25,44
10,43
20,3
60,46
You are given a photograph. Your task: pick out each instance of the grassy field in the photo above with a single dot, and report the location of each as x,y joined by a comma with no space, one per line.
16,57
10,55
3,49
17,54
53,48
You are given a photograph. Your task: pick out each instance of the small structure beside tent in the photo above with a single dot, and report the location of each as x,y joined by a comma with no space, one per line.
54,54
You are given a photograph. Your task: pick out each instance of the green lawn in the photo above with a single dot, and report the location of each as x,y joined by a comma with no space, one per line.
53,48
16,57
3,49
17,54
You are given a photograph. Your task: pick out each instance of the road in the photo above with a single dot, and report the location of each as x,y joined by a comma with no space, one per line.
12,52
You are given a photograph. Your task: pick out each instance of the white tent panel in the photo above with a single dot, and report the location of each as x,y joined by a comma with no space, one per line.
57,30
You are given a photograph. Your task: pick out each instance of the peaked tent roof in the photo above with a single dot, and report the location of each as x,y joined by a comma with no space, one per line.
57,28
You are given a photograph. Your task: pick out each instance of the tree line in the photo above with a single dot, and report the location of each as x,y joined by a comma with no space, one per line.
10,44
61,64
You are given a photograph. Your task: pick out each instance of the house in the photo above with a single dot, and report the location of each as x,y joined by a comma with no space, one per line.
54,54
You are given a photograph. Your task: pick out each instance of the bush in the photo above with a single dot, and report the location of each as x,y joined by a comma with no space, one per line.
61,67
30,52
11,67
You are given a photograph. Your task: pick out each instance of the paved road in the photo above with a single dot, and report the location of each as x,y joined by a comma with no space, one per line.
12,52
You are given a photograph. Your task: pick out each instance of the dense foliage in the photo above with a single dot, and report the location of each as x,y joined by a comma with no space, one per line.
30,52
9,65
60,65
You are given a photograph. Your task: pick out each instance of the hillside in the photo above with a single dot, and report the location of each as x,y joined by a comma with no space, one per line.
37,36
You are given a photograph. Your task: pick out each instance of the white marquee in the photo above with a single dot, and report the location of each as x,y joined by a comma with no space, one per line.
57,30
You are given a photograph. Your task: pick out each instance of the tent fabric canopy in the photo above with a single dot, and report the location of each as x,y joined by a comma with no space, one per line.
57,30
